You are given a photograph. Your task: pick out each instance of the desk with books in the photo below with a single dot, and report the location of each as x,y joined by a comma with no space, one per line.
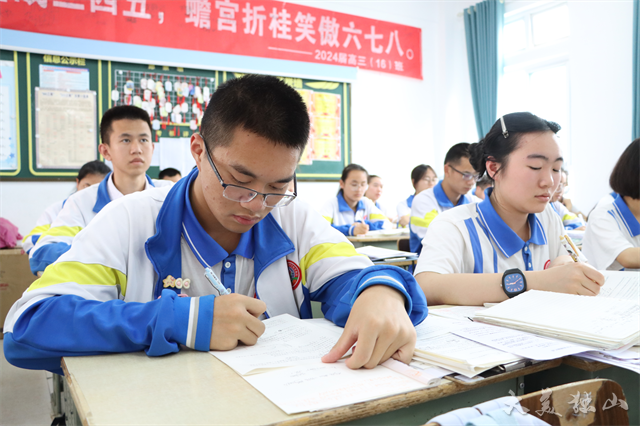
384,241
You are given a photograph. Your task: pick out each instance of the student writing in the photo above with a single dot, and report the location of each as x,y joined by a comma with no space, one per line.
510,242
612,239
116,289
459,178
89,174
422,177
349,212
125,132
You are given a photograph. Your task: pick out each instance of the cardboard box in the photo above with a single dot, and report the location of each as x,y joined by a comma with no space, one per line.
15,278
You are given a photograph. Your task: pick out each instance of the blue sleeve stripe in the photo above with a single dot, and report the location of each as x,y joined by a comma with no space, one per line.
205,323
478,260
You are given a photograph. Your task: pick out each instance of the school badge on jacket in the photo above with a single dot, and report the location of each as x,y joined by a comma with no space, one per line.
295,274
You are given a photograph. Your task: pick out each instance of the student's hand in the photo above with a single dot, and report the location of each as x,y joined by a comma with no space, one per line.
572,278
235,319
404,220
381,327
582,228
360,228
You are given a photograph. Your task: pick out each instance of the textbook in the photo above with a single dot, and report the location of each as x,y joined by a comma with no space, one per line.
602,322
285,366
438,344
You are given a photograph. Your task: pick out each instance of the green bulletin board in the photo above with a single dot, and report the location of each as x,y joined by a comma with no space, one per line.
328,102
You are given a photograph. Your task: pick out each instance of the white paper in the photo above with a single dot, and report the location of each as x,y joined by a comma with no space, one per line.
64,78
387,232
594,356
520,343
596,321
464,313
377,253
621,285
8,126
287,341
434,326
323,386
429,375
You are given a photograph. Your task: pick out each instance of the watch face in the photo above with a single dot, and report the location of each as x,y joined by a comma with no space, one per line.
513,283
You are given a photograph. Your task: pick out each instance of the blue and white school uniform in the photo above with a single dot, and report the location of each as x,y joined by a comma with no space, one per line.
343,218
42,225
79,209
569,220
425,207
612,229
475,239
404,207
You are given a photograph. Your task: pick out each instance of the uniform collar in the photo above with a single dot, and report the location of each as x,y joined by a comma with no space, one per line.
163,249
410,200
444,201
103,197
630,221
505,239
207,250
344,207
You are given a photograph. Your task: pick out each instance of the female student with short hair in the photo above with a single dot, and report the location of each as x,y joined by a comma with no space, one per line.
349,211
510,242
612,239
422,177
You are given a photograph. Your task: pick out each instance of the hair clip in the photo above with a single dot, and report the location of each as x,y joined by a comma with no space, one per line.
504,128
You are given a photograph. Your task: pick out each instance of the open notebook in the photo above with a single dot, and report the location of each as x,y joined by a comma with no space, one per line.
609,321
285,367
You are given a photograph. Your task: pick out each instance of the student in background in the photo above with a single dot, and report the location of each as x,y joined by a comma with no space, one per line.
570,221
566,201
374,193
350,212
422,177
89,174
510,242
482,184
125,132
171,174
459,179
612,239
234,216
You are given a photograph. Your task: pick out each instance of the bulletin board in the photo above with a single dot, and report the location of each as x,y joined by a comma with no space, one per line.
35,87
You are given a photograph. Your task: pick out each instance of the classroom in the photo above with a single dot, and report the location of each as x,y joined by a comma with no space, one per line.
523,98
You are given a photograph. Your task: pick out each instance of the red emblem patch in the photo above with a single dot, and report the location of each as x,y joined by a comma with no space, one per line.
295,274
546,265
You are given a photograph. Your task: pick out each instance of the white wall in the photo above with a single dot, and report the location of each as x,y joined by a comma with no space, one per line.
601,87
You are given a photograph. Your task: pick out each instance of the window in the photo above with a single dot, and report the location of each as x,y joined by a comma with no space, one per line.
536,64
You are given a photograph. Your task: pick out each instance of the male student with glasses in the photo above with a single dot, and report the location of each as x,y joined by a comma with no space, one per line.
134,278
459,179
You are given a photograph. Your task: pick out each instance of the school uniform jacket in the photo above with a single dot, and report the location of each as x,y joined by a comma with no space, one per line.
42,224
101,296
475,239
612,229
404,207
343,218
569,220
79,209
425,207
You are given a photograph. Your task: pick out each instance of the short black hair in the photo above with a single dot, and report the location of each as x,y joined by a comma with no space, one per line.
418,173
456,153
260,104
625,177
484,182
121,112
93,168
168,172
498,145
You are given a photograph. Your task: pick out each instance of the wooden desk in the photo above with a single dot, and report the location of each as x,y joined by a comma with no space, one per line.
196,388
388,242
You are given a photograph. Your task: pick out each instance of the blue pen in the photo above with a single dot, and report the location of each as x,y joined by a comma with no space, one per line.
215,281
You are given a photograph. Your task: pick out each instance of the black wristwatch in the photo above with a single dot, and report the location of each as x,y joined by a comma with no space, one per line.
514,282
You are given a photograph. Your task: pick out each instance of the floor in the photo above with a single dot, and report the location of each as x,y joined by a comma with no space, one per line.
24,395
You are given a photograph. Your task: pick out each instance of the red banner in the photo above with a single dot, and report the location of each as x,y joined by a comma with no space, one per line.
261,28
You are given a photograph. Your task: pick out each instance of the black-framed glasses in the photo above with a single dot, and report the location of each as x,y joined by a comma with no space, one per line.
467,176
241,194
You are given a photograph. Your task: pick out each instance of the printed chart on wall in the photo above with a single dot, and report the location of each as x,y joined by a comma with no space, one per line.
65,128
327,151
9,155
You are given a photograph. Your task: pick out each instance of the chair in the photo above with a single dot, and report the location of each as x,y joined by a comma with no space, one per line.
403,244
573,400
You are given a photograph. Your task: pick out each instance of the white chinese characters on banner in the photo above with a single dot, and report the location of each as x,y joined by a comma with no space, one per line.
134,12
199,13
253,19
109,6
280,25
227,18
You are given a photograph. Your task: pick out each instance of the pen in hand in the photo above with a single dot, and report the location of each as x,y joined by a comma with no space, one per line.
573,250
215,282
